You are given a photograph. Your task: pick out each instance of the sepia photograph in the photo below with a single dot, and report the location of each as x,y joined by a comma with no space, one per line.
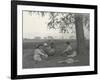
55,39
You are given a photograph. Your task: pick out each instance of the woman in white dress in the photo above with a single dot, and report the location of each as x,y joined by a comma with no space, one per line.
38,52
69,50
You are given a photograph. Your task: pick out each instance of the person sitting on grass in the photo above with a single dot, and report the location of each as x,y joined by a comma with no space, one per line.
49,49
69,50
38,53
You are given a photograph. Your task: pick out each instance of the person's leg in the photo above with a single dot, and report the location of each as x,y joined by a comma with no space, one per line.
72,54
64,53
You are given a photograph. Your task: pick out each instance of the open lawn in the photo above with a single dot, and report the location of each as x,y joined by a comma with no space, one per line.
53,61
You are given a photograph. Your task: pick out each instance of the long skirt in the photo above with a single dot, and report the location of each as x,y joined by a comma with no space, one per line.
37,58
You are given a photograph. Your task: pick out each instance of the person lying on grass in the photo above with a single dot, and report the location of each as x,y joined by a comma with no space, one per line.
69,61
38,53
69,50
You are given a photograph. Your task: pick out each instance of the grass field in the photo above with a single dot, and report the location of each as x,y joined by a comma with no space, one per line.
52,61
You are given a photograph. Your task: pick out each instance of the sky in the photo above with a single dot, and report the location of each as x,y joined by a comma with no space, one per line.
36,25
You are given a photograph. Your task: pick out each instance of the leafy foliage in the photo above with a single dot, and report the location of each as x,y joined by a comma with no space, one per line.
61,20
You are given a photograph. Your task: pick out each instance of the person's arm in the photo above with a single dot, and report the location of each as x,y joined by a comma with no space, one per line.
68,48
65,50
41,53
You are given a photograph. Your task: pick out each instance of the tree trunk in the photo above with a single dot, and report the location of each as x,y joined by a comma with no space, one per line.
80,33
